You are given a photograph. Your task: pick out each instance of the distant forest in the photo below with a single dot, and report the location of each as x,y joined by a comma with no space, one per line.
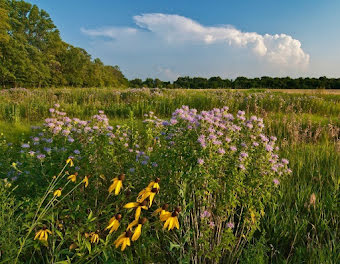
32,53
240,83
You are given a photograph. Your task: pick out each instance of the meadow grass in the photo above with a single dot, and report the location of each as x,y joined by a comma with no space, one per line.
302,225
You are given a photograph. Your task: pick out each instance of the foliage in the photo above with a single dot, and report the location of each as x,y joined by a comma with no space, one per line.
32,53
169,148
240,83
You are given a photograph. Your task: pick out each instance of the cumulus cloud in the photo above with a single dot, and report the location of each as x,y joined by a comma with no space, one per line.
278,48
179,43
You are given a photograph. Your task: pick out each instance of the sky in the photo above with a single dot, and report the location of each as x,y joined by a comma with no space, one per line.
166,39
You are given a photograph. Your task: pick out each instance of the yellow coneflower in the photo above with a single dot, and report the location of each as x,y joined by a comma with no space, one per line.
138,229
42,234
86,181
94,237
57,193
171,220
149,194
117,184
161,210
152,184
138,206
73,177
123,240
114,223
70,161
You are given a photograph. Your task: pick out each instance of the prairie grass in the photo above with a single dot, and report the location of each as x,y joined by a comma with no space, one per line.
302,224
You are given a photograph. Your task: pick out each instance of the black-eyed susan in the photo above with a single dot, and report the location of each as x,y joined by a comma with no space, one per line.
57,193
114,223
42,234
86,181
117,184
149,194
123,240
161,210
73,177
70,161
138,206
94,237
171,220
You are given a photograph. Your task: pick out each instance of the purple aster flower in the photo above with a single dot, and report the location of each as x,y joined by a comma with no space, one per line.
200,161
233,148
221,151
276,181
41,156
76,151
25,145
205,214
230,225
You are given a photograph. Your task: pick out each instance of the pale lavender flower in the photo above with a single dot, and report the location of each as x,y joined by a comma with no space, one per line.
276,181
25,145
205,214
230,225
221,151
200,161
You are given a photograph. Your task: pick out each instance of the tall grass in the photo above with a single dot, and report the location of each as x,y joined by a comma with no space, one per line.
303,225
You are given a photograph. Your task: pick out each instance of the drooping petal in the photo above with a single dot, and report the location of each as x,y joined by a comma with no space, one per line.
132,224
37,234
138,210
137,233
171,225
165,216
176,222
131,205
125,243
167,222
118,187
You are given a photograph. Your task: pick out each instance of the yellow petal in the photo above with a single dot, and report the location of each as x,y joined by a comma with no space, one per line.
113,185
132,224
167,222
157,211
119,240
37,234
176,222
118,187
125,243
138,210
137,233
163,217
152,196
171,225
131,205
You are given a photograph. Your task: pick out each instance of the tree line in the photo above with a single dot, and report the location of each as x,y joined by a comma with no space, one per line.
32,53
240,83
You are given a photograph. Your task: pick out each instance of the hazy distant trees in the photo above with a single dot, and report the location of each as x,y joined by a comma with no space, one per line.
32,53
240,83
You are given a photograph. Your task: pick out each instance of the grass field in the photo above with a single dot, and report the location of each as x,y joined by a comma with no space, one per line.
300,220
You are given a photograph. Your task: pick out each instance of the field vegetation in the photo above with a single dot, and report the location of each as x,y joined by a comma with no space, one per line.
252,178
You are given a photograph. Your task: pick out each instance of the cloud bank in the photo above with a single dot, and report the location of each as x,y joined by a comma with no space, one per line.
158,33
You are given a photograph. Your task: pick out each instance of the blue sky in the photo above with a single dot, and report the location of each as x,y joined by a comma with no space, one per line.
167,39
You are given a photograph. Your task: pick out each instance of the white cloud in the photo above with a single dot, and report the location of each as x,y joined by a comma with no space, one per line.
187,47
278,48
111,32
